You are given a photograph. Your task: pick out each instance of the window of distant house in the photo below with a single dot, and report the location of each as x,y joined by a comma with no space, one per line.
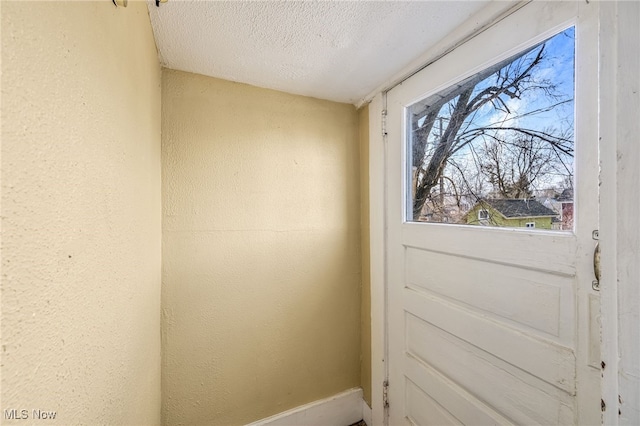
505,133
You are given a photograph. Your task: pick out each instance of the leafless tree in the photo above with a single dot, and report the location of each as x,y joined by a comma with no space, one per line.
451,120
513,165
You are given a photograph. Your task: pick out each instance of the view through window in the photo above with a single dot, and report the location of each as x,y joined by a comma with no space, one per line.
497,148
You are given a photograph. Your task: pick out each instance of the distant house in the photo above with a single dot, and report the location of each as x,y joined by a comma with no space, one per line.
566,210
445,209
513,213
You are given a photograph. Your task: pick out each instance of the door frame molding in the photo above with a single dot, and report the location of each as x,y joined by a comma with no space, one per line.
617,30
619,101
377,220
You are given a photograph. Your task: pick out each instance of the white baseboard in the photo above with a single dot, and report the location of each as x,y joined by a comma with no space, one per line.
342,409
367,414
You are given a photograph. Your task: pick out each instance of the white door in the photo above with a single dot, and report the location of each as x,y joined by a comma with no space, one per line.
495,324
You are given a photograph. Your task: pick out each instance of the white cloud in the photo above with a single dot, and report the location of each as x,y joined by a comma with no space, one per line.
515,106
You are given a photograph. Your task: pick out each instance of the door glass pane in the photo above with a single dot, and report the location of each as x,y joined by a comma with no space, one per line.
497,148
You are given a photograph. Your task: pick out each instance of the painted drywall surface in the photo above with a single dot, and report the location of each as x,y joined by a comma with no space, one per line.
81,213
261,250
365,305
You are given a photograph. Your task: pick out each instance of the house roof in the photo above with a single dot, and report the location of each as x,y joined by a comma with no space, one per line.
567,195
514,208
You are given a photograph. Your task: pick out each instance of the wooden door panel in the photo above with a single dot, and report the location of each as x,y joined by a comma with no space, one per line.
519,298
550,362
518,395
554,253
424,410
451,397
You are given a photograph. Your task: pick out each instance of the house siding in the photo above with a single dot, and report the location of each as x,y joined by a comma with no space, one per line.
499,220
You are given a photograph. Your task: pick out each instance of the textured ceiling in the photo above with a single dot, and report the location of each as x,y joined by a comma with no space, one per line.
332,50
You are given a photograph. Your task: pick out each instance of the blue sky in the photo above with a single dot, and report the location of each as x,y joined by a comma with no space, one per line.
558,67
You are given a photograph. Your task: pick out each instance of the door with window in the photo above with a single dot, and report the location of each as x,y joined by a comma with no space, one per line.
492,192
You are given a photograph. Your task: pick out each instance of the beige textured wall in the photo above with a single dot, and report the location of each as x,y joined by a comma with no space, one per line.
81,213
261,250
365,302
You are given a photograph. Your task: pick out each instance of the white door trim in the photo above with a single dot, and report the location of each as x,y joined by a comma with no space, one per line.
608,290
377,259
619,233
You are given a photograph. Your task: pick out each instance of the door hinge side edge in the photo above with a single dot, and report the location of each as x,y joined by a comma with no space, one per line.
385,394
384,123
